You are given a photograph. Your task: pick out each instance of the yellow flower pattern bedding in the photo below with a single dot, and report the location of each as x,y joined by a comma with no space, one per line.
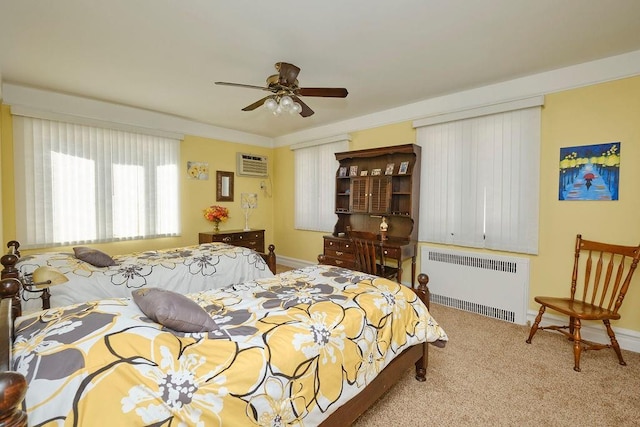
189,269
289,350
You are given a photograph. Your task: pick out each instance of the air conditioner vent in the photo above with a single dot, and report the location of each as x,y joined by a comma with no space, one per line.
252,165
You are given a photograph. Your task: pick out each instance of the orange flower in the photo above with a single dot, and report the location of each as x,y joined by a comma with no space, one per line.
216,213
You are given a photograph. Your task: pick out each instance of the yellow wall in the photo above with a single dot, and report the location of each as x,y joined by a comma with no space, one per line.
606,112
195,195
600,113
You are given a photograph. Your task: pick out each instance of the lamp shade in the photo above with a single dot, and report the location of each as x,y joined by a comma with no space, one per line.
44,277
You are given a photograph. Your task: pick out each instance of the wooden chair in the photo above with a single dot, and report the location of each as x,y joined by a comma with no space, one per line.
607,270
370,256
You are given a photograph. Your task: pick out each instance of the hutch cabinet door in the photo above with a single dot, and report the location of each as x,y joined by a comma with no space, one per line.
359,194
380,194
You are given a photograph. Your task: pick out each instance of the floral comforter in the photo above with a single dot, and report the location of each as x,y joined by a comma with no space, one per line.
189,269
289,351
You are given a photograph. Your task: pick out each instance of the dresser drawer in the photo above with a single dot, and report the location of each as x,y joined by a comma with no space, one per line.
392,252
253,239
340,262
340,254
338,245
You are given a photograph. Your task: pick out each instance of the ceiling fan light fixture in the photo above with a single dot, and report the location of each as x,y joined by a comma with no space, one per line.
271,104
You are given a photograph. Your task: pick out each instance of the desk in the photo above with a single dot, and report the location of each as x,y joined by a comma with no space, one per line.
340,252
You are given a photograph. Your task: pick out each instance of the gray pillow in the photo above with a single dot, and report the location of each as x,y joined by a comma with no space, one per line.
173,310
93,256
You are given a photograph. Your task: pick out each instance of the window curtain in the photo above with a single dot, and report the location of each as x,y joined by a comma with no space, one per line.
78,184
480,181
315,189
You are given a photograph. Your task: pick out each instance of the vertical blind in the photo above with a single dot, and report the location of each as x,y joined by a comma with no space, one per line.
480,180
81,184
315,190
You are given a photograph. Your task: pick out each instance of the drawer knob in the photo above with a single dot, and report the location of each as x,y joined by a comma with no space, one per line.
338,262
339,253
226,239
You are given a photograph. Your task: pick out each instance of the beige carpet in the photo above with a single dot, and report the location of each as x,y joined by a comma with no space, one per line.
488,376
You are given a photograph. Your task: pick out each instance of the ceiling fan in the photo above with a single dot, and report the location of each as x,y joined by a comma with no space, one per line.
286,92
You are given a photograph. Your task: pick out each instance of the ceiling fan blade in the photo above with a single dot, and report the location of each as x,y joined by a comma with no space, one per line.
331,92
242,85
255,104
306,111
288,73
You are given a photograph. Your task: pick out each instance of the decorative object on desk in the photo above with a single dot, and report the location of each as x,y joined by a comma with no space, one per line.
590,172
353,171
216,214
389,169
404,166
384,226
342,172
198,170
248,201
376,171
224,186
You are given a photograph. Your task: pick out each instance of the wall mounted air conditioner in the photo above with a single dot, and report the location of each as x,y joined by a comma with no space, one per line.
252,165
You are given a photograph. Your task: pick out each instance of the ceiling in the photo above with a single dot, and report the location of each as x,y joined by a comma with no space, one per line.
165,55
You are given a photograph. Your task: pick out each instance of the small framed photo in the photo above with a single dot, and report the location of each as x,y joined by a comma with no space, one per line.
403,168
389,169
342,171
364,173
376,172
353,171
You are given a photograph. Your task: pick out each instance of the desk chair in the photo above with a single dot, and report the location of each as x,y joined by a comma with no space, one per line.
370,256
608,270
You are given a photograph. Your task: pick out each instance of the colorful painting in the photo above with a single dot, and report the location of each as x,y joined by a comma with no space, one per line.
590,172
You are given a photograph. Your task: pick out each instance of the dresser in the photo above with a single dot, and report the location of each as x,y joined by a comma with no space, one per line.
253,239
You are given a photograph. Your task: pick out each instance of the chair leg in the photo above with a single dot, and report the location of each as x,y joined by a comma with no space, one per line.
534,327
614,341
577,348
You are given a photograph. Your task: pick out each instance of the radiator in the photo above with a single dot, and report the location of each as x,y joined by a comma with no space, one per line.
490,285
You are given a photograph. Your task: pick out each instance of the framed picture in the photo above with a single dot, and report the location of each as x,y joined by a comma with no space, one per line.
403,168
342,171
389,169
376,171
224,186
353,171
590,172
364,173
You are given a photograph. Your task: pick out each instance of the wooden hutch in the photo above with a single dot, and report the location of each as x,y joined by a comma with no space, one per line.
371,184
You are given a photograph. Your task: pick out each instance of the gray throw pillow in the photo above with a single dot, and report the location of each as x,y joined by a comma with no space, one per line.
93,256
173,310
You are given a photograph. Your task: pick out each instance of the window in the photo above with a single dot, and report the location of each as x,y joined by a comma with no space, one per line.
84,184
315,174
480,180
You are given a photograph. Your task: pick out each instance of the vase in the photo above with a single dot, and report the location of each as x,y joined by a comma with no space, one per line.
216,227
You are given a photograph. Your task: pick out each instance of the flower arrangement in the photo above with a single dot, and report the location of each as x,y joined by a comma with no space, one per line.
216,214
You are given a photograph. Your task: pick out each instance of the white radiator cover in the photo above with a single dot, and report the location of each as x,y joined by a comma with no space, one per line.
491,285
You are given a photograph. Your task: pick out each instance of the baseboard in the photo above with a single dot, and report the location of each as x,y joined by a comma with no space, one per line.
293,262
627,338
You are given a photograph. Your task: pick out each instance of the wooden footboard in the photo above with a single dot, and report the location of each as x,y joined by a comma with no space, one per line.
417,355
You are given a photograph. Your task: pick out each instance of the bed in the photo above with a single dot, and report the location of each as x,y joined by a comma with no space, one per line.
314,346
90,277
